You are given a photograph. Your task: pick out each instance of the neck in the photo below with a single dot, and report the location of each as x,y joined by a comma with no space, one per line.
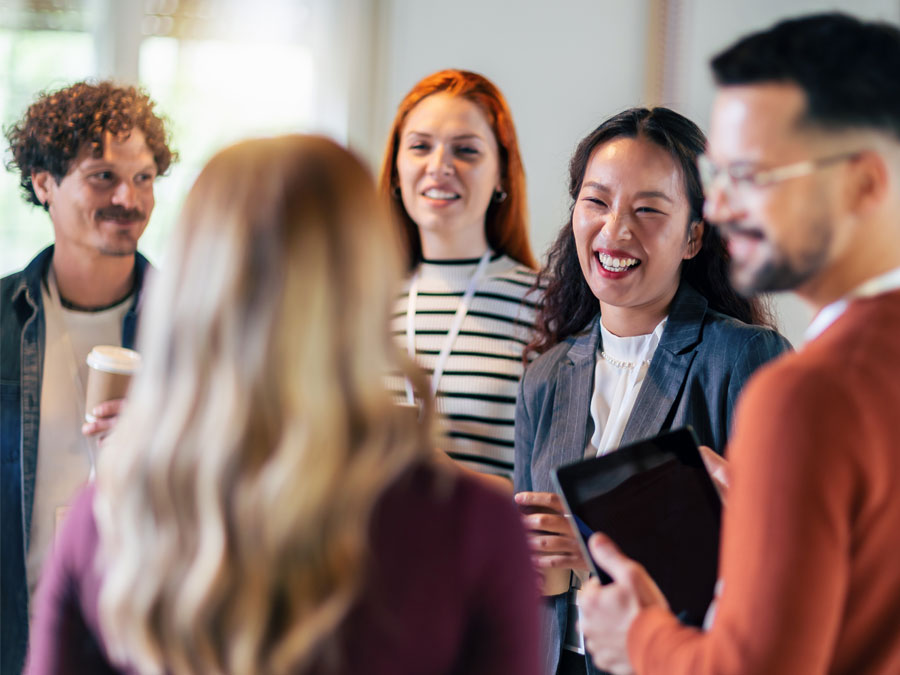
631,321
874,252
93,282
455,246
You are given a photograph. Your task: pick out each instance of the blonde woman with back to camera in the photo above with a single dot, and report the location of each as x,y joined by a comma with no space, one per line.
263,506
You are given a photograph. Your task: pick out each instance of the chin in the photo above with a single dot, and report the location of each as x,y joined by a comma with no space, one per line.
119,248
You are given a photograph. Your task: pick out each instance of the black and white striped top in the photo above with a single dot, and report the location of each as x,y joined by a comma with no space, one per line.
476,397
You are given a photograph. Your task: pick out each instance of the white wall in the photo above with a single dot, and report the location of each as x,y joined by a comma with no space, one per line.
564,67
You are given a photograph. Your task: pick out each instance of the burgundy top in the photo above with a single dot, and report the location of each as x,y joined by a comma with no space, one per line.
451,589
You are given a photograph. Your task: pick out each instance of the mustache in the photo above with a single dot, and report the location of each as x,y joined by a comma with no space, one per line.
734,229
120,213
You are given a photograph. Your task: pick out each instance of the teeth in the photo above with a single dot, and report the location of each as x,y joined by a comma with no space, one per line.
616,264
434,193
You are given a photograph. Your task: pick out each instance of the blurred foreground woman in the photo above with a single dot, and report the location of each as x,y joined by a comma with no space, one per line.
263,506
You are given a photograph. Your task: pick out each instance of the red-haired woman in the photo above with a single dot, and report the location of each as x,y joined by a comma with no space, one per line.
453,175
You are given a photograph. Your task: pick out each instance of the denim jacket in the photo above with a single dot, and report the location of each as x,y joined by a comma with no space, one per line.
21,368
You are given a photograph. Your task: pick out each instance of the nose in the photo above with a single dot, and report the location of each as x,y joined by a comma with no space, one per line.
125,194
718,206
440,161
616,226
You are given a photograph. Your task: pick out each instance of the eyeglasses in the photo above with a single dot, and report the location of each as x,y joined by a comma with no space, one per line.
736,180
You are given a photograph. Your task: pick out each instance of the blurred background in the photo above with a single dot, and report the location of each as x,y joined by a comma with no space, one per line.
222,70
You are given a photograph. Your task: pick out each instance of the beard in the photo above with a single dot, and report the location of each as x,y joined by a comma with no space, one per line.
784,270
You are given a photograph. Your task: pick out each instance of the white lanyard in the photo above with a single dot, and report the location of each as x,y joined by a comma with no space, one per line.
452,334
55,316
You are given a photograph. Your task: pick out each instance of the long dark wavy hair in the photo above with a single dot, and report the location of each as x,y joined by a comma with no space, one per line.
569,305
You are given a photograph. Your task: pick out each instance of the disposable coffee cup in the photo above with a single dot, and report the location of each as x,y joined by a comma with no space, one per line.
109,373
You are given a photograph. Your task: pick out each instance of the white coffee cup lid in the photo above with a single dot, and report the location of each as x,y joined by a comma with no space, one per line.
114,359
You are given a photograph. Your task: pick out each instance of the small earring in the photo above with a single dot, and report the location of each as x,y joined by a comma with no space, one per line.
499,196
395,191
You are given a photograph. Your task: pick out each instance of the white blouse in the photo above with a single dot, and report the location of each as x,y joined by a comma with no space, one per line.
621,365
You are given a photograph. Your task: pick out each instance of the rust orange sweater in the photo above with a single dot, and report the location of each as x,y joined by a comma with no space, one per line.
810,552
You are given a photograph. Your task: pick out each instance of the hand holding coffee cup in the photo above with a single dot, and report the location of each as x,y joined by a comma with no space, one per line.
110,370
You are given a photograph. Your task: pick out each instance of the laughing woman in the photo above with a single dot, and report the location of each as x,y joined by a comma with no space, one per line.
640,331
454,177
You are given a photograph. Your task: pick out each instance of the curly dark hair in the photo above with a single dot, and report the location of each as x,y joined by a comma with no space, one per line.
59,123
569,304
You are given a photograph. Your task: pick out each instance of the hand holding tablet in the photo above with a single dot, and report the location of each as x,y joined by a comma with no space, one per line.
656,501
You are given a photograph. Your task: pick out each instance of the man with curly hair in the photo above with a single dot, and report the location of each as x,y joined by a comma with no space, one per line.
89,155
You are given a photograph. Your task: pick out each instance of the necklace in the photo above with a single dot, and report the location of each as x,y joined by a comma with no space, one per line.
627,365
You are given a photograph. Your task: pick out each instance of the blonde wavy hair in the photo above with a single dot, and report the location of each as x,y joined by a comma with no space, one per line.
233,497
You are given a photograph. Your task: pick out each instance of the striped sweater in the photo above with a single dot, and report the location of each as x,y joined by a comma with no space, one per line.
476,396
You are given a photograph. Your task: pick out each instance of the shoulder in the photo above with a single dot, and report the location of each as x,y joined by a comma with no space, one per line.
431,488
447,510
9,285
797,389
722,332
514,276
29,276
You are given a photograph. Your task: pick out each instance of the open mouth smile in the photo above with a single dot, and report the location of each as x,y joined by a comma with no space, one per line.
616,264
440,195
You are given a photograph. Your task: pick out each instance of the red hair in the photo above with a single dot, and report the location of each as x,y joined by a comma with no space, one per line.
506,222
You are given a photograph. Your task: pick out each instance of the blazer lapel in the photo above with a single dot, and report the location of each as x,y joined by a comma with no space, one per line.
669,367
572,403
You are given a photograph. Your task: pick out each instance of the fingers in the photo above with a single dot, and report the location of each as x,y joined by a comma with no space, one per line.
540,500
110,408
625,572
718,469
548,522
552,544
568,561
608,556
100,428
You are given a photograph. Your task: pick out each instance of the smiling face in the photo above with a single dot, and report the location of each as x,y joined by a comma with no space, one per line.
630,223
448,167
102,205
780,236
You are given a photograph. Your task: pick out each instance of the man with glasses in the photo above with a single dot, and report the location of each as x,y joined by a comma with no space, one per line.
802,175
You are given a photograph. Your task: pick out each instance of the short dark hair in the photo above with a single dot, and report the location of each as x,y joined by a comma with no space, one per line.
849,69
59,123
568,303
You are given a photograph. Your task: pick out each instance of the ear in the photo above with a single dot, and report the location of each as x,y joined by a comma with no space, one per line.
870,183
43,184
695,239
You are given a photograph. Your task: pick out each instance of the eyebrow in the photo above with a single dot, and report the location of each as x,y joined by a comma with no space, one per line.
644,194
460,137
99,163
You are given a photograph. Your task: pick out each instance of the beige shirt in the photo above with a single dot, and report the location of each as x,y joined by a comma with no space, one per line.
63,461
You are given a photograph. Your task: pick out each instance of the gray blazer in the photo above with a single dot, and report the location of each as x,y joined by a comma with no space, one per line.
703,360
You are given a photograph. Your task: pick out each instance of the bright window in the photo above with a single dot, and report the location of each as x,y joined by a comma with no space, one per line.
243,70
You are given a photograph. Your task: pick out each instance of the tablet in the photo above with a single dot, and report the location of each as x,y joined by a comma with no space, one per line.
656,501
